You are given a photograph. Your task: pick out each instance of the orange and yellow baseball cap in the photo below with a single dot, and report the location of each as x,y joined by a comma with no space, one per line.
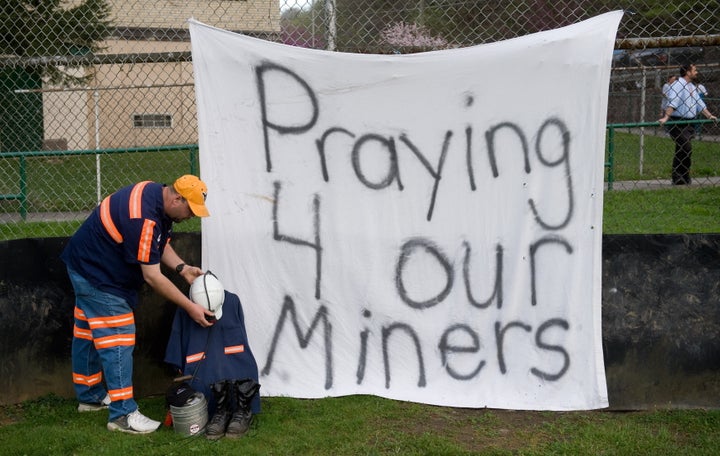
194,191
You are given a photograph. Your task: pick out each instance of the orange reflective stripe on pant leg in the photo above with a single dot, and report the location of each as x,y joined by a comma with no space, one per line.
121,394
113,321
88,380
81,333
117,340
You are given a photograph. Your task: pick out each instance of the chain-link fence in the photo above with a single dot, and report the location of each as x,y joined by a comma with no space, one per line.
97,94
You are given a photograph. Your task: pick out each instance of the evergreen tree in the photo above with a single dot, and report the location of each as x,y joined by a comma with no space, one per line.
52,28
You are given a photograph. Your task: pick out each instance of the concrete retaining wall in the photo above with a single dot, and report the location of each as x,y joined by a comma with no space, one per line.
661,321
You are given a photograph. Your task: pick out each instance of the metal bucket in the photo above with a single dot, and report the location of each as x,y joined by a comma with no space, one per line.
191,418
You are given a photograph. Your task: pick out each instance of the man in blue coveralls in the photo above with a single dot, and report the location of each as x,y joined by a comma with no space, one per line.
118,248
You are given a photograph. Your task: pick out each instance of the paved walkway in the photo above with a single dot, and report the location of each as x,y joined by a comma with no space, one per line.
44,217
660,131
655,184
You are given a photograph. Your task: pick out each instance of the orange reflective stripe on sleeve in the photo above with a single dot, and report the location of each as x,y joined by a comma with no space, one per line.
107,221
136,200
79,314
82,333
88,380
195,357
121,394
135,210
146,240
117,340
113,321
234,349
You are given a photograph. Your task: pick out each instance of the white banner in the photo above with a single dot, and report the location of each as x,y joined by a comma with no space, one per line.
421,227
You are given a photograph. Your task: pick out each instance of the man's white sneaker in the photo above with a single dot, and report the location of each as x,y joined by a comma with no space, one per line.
85,407
134,423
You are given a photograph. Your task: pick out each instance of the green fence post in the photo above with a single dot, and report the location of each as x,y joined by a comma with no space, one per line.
611,156
193,158
23,188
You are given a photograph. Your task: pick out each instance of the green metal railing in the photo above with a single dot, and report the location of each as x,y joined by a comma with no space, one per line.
21,196
610,163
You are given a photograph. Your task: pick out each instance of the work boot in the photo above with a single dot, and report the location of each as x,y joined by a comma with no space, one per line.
219,421
245,390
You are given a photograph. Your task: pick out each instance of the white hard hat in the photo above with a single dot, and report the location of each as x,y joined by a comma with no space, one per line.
207,291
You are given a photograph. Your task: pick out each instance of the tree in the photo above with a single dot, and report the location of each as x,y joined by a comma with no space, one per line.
36,37
303,27
411,38
51,28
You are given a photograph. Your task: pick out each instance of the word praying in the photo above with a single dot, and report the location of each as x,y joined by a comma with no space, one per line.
391,145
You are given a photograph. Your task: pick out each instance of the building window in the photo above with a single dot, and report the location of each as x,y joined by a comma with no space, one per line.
152,121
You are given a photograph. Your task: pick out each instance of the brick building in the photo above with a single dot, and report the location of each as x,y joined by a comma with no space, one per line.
141,93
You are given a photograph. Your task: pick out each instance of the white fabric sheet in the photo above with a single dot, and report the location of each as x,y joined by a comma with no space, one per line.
421,227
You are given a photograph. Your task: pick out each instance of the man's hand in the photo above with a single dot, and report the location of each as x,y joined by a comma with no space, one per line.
190,273
200,315
165,288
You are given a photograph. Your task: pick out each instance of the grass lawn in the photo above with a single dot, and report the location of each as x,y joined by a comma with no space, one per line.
67,184
367,425
657,157
671,210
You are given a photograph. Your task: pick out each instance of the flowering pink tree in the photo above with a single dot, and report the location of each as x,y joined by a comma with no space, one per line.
411,37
